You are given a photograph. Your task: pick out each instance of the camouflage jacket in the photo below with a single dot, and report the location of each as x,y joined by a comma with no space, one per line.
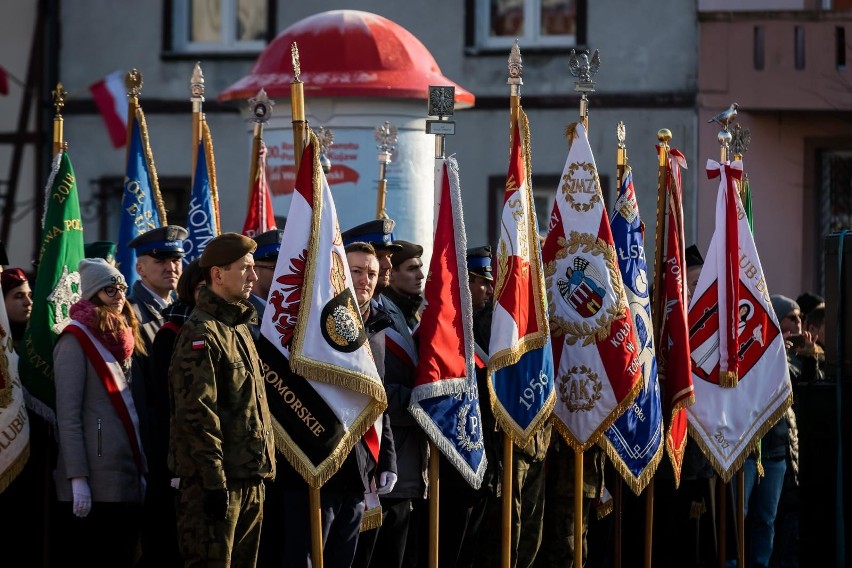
220,424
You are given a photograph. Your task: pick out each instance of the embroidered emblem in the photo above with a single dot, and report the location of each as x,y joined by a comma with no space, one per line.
583,290
337,273
580,388
471,441
63,296
285,300
341,323
198,344
581,186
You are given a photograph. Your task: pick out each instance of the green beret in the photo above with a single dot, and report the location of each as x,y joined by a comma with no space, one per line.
100,249
225,249
409,250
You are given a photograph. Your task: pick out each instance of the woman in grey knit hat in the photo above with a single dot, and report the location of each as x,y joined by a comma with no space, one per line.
100,471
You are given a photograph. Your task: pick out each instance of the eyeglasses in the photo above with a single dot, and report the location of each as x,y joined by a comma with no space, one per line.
111,291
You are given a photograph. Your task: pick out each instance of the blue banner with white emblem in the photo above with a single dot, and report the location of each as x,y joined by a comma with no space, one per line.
634,442
201,219
139,213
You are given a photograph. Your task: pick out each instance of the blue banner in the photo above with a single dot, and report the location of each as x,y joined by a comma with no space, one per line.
635,440
201,219
138,205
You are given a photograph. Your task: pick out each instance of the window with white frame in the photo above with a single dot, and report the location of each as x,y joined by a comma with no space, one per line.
227,26
534,23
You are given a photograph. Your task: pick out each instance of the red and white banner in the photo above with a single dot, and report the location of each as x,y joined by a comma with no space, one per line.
14,423
675,368
730,416
259,217
110,97
595,352
324,390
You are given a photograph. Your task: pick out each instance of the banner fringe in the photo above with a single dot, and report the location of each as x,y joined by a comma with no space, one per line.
15,468
636,484
152,170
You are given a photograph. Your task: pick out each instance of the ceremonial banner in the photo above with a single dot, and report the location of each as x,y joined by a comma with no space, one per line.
111,99
634,442
14,427
520,368
202,220
57,286
141,205
727,421
323,388
598,369
445,398
260,216
673,354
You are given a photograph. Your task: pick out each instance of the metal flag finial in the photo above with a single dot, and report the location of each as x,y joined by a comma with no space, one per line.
325,136
442,101
740,139
621,134
386,136
196,83
516,67
261,107
584,68
59,95
294,56
133,82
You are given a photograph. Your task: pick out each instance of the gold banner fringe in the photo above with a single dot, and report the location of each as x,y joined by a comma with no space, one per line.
15,468
728,379
636,484
372,519
737,463
152,169
207,137
675,455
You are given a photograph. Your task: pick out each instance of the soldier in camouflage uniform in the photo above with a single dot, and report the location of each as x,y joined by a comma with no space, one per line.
221,443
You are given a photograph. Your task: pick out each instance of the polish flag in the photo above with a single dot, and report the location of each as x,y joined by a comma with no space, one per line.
110,96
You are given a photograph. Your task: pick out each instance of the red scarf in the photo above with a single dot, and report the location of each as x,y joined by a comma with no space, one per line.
120,344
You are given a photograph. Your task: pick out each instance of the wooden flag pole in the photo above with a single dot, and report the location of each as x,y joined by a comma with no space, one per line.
434,505
316,527
297,107
197,98
59,96
578,508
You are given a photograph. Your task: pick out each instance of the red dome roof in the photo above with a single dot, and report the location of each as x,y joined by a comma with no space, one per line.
347,53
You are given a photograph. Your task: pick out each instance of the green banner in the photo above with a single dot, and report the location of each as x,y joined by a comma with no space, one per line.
57,284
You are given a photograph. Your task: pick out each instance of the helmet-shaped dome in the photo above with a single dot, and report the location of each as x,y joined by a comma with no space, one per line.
347,53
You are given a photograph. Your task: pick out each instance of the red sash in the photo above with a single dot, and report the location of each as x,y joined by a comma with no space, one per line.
113,391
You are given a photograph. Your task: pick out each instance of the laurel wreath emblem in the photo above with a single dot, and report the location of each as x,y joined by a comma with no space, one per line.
568,191
465,441
597,386
583,330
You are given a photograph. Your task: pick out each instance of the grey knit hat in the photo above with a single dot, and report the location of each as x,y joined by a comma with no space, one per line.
782,305
95,274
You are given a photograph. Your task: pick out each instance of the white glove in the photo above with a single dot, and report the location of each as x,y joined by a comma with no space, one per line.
387,479
82,496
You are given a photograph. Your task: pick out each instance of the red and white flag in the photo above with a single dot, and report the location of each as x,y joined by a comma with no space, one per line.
260,216
741,379
324,391
110,97
13,415
674,365
595,351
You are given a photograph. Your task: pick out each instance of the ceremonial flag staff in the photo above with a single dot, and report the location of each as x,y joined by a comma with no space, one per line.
386,136
197,98
297,108
59,96
201,137
441,104
583,69
259,215
740,139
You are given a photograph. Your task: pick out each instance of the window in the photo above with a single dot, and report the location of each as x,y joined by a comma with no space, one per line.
534,23
227,26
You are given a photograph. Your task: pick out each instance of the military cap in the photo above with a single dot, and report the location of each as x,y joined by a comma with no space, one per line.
268,244
225,249
378,233
162,242
100,249
407,250
693,257
479,262
12,278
